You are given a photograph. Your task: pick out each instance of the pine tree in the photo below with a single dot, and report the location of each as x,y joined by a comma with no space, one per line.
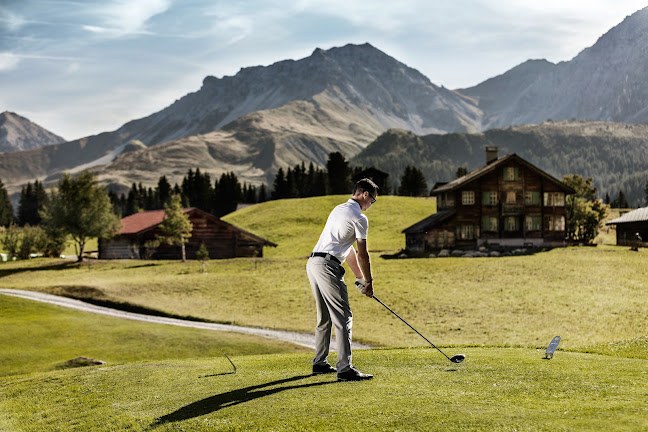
461,171
262,196
279,190
132,201
339,174
228,194
26,206
413,183
32,200
6,209
646,193
163,191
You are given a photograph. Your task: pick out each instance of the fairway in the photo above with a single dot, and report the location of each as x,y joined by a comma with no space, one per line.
414,390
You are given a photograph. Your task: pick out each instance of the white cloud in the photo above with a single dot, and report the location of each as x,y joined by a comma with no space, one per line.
8,61
124,17
11,21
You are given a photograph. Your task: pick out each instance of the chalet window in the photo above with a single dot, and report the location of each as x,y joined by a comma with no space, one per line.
510,173
554,223
449,200
533,223
467,232
511,197
468,197
554,199
489,223
511,223
489,198
531,198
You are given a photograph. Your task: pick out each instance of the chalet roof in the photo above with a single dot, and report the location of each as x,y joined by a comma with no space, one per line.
143,221
430,221
479,172
638,215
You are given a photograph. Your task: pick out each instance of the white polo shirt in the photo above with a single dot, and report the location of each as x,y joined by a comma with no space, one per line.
345,224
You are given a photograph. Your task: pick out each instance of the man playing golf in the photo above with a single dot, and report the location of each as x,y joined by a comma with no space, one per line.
345,226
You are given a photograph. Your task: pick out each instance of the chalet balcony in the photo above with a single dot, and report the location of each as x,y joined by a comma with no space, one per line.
512,209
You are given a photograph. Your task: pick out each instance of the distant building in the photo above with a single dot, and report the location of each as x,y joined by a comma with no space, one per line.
223,240
508,202
632,228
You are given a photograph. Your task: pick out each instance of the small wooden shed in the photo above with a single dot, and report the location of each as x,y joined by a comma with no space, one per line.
222,239
632,228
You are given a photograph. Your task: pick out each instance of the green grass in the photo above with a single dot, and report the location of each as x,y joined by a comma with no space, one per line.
40,337
499,389
586,295
500,312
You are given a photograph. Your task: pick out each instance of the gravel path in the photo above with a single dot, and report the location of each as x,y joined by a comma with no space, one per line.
304,339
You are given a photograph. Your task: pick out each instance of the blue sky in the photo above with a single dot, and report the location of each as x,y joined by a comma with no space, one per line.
79,68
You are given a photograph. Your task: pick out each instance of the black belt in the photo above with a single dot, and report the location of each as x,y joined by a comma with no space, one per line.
324,255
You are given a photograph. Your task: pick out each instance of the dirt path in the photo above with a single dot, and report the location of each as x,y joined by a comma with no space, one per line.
304,339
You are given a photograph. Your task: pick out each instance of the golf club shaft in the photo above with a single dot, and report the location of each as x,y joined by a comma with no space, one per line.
417,332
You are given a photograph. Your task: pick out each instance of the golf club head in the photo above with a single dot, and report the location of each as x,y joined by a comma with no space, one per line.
458,358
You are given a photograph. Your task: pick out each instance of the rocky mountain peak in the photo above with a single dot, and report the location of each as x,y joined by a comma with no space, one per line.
19,133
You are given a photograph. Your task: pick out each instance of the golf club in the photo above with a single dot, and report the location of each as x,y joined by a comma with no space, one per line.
455,358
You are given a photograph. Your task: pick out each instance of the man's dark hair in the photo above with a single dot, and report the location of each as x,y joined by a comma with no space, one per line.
366,185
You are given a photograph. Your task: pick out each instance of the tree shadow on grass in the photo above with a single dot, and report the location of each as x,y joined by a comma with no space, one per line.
234,397
53,266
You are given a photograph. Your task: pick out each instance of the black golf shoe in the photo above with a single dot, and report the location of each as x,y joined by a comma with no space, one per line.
323,368
353,374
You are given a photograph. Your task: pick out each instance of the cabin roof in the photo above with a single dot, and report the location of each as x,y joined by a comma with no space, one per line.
423,225
479,172
143,221
638,215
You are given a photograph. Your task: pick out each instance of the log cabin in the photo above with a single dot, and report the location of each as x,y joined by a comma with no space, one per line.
632,228
506,203
139,232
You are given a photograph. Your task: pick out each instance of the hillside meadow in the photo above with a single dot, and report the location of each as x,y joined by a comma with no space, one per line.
586,295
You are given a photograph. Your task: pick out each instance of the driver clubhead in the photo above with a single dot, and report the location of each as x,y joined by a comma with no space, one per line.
458,358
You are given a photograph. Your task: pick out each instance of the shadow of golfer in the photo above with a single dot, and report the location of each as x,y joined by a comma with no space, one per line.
234,397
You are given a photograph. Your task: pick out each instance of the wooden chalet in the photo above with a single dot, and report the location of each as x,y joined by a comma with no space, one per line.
223,240
508,202
632,228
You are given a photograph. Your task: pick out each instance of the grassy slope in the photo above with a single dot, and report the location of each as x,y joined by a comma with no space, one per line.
39,337
414,389
587,295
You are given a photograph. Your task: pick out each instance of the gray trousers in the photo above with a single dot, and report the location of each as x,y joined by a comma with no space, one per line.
332,302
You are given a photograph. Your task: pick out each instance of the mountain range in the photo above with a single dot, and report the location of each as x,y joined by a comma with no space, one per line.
342,99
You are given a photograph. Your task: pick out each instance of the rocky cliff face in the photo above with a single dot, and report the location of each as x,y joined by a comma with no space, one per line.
603,82
18,133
